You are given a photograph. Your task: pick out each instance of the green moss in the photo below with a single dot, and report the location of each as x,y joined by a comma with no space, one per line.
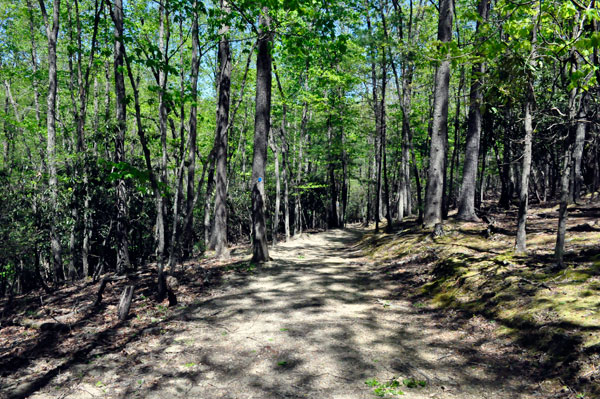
485,277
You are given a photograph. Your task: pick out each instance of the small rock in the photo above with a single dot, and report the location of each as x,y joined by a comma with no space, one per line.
174,349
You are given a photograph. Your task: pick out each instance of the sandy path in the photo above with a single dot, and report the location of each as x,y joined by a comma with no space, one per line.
313,324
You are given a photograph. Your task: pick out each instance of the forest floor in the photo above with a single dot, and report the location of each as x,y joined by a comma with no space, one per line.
337,314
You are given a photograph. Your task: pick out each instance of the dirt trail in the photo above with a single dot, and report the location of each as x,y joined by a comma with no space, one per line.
315,323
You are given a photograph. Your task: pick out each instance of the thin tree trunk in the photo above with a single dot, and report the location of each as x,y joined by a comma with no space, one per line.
333,221
284,165
435,176
304,138
52,36
383,133
35,84
219,229
377,134
368,197
144,143
481,181
577,177
191,168
275,150
344,180
466,201
506,193
174,229
520,243
189,216
260,251
123,262
286,196
454,159
559,248
163,44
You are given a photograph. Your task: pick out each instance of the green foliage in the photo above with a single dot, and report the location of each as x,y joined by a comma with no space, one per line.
391,387
385,389
413,383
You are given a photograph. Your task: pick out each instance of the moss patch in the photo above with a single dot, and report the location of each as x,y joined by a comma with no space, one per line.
556,311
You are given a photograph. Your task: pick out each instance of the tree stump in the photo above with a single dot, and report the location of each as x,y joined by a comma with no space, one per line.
125,303
100,291
438,230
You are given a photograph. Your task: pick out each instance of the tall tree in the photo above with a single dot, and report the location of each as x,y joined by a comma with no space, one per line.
466,201
262,125
52,36
439,137
520,242
193,130
219,229
123,262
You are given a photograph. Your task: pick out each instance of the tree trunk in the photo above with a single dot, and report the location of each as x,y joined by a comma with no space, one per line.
368,197
333,221
559,248
125,302
145,149
123,262
35,83
286,196
577,177
466,201
260,251
344,180
284,176
377,135
520,243
435,175
219,229
275,150
52,36
506,193
454,159
481,180
304,138
191,167
383,134
163,44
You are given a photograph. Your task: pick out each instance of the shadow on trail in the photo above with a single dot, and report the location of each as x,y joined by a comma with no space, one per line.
315,322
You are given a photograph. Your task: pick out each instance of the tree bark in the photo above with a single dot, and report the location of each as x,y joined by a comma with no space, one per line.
52,36
191,167
35,84
520,243
383,134
577,178
123,262
275,150
333,221
506,193
163,45
435,175
559,248
262,124
284,165
125,303
466,201
454,158
219,228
